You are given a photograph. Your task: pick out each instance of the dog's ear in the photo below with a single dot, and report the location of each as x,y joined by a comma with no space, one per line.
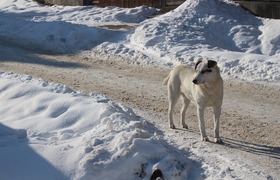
199,61
211,63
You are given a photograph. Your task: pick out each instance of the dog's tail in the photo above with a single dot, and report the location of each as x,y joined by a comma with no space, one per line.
165,81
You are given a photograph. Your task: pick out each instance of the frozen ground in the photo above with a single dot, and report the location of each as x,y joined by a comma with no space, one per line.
246,47
72,135
249,120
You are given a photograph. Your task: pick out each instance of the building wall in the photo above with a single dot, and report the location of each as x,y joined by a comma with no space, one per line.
66,2
174,2
263,8
268,9
129,3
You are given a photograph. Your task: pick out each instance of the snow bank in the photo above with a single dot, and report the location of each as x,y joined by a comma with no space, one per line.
245,46
65,29
49,131
200,25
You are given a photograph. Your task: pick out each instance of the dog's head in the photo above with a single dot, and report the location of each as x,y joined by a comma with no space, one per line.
205,71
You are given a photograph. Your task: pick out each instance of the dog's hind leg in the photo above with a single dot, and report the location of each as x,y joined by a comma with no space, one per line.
185,105
217,114
173,96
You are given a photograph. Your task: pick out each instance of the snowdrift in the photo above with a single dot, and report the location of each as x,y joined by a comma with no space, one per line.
245,46
49,131
65,29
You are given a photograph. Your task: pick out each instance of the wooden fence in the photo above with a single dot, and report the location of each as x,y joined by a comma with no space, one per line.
263,8
128,3
135,3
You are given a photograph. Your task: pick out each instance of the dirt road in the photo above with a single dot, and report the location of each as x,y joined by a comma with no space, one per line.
250,123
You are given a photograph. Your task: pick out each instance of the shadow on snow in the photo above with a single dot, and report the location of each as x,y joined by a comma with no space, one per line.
20,161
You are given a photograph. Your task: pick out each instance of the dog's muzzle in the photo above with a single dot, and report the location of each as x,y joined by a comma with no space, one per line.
197,82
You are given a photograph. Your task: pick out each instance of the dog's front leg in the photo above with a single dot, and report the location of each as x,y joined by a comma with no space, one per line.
217,114
185,105
200,113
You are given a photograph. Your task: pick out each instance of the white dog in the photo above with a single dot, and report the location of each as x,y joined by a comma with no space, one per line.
203,86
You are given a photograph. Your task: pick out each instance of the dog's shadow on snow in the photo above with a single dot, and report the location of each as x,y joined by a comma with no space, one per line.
259,149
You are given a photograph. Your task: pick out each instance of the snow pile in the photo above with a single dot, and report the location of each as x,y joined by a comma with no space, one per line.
92,15
245,46
48,131
198,26
64,29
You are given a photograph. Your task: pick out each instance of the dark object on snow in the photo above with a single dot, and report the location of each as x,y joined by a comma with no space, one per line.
157,175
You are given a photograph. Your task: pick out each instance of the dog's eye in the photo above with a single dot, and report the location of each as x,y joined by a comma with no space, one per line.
206,71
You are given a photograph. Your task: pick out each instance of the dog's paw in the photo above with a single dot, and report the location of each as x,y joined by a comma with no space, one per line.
185,126
218,141
206,139
172,126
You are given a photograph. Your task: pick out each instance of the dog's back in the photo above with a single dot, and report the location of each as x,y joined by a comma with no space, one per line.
179,81
179,72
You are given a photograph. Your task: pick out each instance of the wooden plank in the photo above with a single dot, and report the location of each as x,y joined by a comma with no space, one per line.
129,3
262,8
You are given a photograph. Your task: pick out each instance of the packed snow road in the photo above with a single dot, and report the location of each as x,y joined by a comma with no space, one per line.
250,117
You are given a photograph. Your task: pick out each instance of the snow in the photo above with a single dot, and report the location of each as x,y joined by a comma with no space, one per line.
64,29
246,47
49,131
